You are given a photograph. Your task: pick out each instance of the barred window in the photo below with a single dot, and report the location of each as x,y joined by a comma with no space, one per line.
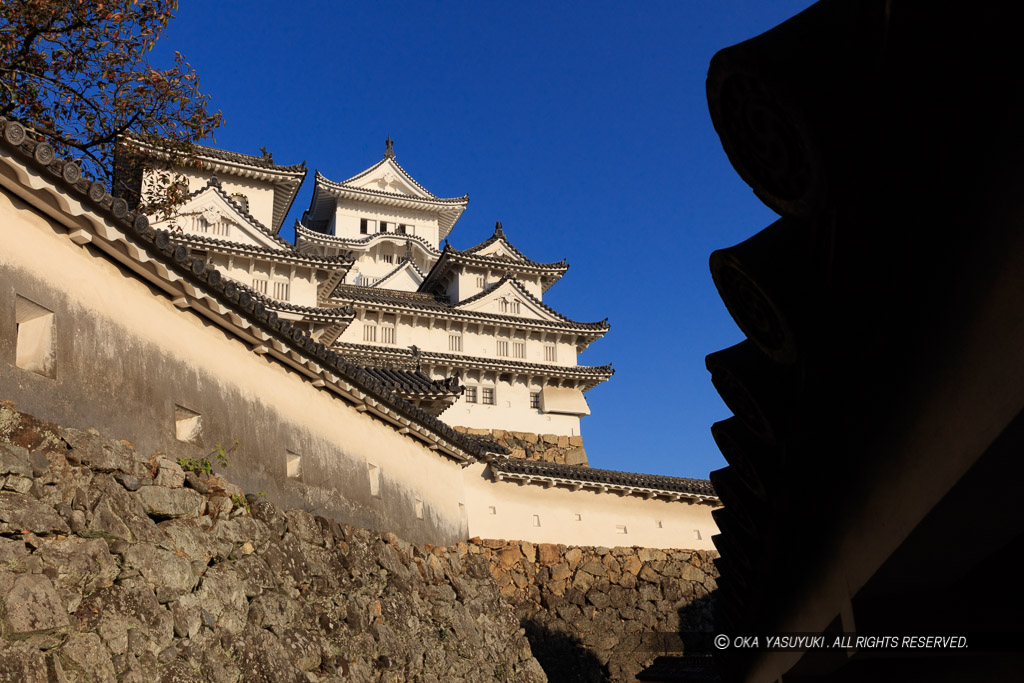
369,333
519,349
480,281
281,291
388,258
502,306
455,343
387,334
259,284
550,354
515,307
535,399
502,347
487,395
470,394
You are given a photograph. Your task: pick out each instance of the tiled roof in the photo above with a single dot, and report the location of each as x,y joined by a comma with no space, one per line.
400,357
401,264
214,244
430,199
602,324
432,303
223,293
588,476
316,235
499,235
412,383
265,161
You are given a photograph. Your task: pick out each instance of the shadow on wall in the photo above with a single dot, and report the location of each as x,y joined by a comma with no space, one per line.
696,625
563,656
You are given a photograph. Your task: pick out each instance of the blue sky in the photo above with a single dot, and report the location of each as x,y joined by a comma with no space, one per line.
582,126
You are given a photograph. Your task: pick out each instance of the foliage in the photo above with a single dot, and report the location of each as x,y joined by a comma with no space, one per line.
197,465
77,72
221,454
204,465
238,502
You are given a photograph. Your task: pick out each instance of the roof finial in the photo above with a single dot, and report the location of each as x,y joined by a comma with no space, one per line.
267,156
408,251
498,232
389,153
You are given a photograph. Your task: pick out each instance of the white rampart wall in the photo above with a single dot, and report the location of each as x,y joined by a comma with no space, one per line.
531,512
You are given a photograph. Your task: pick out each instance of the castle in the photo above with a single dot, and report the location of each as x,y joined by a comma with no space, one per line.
340,365
464,334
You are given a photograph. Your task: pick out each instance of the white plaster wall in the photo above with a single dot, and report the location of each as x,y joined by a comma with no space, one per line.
348,215
511,410
516,509
100,292
302,285
477,339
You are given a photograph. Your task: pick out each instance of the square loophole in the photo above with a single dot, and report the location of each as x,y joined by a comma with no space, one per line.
293,465
188,424
35,350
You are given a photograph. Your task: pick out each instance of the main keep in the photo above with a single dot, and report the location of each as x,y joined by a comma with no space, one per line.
462,334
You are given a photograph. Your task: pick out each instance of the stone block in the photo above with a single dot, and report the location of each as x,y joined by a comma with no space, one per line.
31,607
529,551
563,441
548,554
21,512
170,503
576,456
575,440
573,556
168,473
550,439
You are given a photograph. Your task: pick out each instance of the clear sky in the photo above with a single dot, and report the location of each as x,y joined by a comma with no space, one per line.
582,126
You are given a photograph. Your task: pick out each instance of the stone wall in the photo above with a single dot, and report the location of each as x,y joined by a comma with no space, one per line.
545,447
598,614
117,564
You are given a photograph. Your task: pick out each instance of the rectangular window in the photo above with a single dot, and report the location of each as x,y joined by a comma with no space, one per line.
403,228
470,394
455,343
370,333
387,334
281,291
259,284
502,348
388,258
480,281
515,307
487,395
502,306
535,399
620,529
364,226
519,349
550,354
419,509
367,281
385,226
35,350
